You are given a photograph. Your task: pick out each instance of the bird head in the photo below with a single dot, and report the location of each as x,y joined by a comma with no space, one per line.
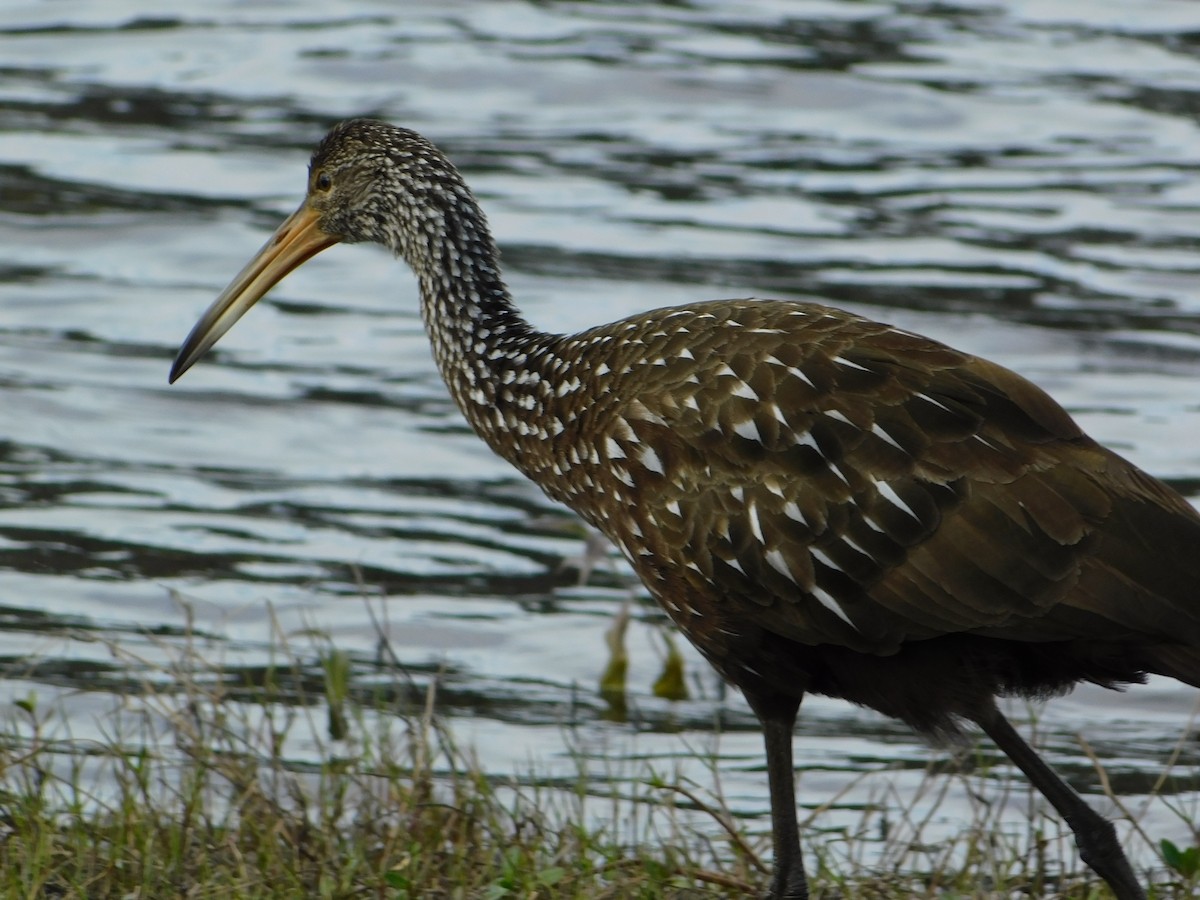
367,181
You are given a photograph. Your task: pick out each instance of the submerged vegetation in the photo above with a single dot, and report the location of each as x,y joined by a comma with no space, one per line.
307,779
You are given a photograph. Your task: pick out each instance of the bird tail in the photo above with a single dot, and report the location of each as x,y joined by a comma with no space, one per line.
1180,661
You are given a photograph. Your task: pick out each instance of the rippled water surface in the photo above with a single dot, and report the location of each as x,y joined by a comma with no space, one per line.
1019,179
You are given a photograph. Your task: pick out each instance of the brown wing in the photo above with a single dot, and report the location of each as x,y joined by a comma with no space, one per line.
846,483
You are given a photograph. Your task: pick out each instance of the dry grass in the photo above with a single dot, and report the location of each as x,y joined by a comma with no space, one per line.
195,790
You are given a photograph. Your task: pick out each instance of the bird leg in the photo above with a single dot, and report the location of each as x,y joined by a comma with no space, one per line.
1095,836
777,714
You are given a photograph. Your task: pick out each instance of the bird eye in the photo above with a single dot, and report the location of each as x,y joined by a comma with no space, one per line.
323,181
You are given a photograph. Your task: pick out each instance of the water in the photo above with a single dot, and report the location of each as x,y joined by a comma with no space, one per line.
1020,180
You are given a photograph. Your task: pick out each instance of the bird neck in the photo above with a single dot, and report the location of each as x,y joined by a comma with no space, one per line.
473,324
464,301
484,348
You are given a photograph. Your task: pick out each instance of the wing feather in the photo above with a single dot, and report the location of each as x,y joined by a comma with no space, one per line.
842,482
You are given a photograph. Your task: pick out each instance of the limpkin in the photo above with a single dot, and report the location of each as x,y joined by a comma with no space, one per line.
820,502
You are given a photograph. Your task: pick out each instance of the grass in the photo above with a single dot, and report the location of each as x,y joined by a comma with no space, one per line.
308,780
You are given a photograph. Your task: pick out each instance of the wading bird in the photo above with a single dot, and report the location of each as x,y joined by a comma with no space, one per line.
820,502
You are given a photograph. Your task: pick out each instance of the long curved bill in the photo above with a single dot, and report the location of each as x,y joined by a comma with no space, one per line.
297,240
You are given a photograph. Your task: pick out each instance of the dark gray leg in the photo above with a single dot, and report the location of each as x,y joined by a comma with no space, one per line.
1094,835
778,717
